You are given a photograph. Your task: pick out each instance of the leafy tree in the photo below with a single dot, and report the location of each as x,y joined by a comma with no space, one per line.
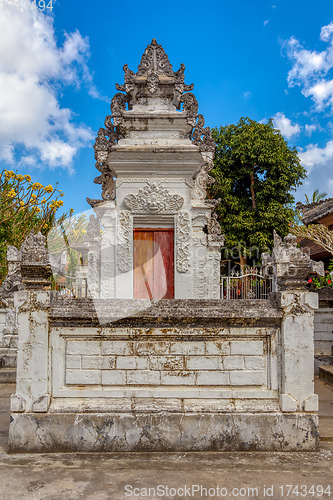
316,197
24,206
255,172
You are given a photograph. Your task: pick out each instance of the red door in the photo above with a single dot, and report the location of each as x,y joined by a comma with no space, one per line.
153,264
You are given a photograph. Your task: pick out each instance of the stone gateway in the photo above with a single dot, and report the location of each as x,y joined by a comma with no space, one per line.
152,359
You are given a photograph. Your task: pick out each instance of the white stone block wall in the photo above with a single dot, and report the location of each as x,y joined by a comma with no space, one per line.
323,332
168,363
323,337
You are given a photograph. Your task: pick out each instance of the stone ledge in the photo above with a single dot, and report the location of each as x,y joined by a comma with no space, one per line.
32,432
326,373
165,312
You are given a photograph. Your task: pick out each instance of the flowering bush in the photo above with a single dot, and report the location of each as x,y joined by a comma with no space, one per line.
321,281
24,206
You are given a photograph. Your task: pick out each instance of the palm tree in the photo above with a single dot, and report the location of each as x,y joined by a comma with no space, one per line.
316,197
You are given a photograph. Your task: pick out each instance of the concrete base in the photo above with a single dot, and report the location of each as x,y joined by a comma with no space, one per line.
36,432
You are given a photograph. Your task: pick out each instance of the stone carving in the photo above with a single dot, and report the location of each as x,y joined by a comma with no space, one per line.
153,199
94,274
34,249
200,283
214,231
124,241
203,179
155,60
108,281
202,136
288,264
107,182
13,280
183,228
93,230
190,107
214,263
129,85
35,262
152,83
118,104
93,202
180,85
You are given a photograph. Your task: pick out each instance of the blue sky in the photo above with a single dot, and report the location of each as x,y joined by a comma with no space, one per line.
259,59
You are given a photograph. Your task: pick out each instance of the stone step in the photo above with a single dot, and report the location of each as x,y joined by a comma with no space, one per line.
326,373
7,375
321,360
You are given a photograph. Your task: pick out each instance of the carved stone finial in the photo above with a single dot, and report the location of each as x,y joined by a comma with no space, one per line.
107,182
35,262
13,280
155,60
289,265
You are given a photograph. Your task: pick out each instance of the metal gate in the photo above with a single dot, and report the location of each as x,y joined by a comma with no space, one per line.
249,285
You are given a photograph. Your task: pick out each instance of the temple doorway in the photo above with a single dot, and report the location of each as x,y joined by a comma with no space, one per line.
153,263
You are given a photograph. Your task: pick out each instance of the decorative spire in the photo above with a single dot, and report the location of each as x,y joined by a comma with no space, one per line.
155,60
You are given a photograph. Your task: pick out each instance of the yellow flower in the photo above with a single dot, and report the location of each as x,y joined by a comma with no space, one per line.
27,178
37,210
22,203
48,188
11,193
43,200
36,185
9,174
20,178
33,196
62,194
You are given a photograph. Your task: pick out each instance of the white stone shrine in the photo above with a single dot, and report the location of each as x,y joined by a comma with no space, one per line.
154,159
122,370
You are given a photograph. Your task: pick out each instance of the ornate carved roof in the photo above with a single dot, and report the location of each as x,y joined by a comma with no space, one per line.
154,60
155,80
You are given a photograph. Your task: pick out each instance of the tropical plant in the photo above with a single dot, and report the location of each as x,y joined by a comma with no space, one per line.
255,172
316,197
25,206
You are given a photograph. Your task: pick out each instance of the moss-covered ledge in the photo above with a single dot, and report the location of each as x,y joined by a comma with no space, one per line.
115,312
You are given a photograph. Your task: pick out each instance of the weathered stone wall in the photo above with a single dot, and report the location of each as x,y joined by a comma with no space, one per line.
8,334
147,380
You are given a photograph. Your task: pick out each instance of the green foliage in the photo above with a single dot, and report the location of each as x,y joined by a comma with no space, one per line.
255,172
316,197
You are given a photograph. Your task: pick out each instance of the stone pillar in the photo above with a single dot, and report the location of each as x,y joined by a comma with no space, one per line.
290,269
32,360
32,306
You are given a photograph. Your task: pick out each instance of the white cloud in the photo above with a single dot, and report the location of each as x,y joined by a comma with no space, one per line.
309,129
314,156
321,92
326,32
266,22
311,68
285,126
32,69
